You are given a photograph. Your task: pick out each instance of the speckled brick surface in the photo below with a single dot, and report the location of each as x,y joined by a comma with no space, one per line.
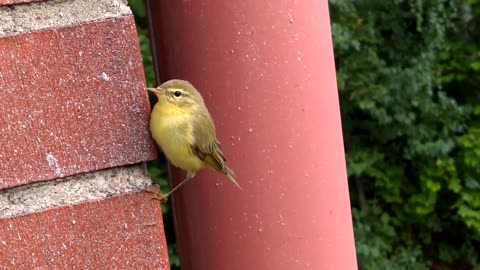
72,100
123,232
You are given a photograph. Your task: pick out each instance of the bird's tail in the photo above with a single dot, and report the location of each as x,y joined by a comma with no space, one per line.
230,174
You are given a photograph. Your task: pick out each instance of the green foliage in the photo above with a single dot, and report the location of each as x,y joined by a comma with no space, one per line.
468,190
407,73
375,239
146,56
138,9
158,174
156,169
173,256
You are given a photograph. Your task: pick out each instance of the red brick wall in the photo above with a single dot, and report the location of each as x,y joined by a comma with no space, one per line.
72,107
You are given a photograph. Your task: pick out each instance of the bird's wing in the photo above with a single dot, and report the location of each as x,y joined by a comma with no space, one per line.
206,146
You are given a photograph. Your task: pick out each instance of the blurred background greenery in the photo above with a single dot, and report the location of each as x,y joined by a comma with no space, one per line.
408,75
157,169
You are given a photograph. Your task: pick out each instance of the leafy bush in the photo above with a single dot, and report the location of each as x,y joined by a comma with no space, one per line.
407,73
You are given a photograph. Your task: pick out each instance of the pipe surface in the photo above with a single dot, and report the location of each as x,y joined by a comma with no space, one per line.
266,71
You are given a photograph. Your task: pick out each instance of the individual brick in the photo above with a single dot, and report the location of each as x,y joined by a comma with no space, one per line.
121,232
72,100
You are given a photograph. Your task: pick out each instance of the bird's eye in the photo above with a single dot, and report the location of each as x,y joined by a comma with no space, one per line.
177,93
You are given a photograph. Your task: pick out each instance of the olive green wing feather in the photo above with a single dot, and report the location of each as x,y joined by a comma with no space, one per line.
207,147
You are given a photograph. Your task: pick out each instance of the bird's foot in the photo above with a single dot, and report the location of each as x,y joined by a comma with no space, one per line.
157,194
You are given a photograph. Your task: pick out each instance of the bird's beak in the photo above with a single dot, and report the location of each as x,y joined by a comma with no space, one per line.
156,90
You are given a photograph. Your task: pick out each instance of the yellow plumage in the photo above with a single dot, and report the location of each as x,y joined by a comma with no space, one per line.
183,128
173,134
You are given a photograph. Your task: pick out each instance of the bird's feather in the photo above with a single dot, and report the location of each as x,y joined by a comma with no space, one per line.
207,147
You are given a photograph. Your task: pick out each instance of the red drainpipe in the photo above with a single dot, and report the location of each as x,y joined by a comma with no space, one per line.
266,71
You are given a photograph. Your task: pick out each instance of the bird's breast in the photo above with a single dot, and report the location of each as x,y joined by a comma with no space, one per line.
174,134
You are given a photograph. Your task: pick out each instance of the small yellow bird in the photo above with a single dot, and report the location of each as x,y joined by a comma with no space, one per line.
183,128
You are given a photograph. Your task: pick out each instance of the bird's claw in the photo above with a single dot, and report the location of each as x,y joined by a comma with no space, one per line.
158,195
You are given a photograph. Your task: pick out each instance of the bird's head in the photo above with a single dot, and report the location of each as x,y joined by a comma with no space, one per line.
179,95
